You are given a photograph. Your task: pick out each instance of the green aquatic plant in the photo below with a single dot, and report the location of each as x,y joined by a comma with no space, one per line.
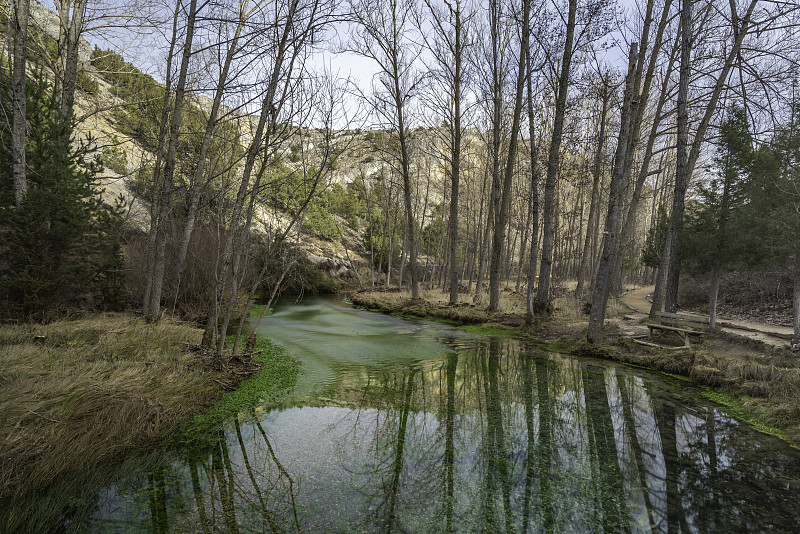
737,407
257,310
268,386
493,330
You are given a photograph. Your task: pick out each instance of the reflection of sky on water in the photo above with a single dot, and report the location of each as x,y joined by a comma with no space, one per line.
480,435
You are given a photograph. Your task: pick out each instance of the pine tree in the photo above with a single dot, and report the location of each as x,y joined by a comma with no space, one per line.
708,242
62,247
786,146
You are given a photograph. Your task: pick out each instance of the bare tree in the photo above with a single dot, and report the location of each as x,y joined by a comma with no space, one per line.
326,97
153,307
604,94
542,300
290,31
19,19
157,210
682,170
669,272
450,47
602,285
71,15
382,34
195,184
534,194
501,215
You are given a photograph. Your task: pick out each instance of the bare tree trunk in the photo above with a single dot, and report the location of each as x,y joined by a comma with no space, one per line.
269,111
484,247
156,198
196,189
542,300
153,311
234,296
611,244
686,162
722,244
534,187
643,96
455,156
383,239
661,281
712,297
390,252
347,254
368,204
70,30
597,172
405,165
501,218
469,265
510,252
496,147
577,244
412,234
682,171
796,303
523,246
402,264
21,10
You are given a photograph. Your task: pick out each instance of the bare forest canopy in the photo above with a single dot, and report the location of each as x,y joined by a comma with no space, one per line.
483,146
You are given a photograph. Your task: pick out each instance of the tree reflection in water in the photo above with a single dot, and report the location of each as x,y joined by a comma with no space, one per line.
493,437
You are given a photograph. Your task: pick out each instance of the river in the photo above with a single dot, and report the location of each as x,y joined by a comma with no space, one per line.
413,426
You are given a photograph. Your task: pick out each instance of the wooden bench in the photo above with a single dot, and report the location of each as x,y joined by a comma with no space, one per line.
684,333
682,320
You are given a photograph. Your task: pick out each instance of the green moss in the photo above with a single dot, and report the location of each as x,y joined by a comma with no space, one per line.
450,322
562,345
734,407
677,377
492,330
268,386
257,309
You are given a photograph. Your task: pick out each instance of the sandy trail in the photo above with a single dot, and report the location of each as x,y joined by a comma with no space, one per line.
778,336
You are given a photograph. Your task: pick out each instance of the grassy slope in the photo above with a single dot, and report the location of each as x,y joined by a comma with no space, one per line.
76,395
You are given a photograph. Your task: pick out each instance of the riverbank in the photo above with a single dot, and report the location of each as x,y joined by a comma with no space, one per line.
752,381
79,395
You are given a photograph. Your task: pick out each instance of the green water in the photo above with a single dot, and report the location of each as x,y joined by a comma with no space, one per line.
402,426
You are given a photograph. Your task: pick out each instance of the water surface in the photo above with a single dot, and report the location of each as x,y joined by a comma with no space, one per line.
412,426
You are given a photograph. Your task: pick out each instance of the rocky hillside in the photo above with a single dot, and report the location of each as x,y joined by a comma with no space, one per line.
118,107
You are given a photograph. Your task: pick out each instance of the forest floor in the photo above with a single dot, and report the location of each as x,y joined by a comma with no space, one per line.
750,372
78,395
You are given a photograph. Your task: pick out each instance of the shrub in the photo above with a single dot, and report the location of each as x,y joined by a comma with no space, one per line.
115,158
302,277
294,157
85,82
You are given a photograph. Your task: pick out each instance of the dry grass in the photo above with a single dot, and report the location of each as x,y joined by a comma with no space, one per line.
566,310
434,304
754,387
77,394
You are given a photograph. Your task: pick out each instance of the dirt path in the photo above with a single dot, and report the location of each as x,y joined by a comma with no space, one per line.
778,336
